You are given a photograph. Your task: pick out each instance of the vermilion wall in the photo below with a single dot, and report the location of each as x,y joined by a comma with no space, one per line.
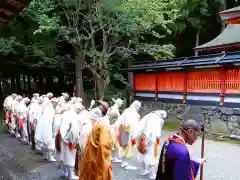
220,82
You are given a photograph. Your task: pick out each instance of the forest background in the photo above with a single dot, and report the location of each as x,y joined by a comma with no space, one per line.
53,44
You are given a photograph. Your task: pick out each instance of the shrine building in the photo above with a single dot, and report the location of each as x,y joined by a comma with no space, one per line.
206,80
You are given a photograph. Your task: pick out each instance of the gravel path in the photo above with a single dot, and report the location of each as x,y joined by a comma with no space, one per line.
19,162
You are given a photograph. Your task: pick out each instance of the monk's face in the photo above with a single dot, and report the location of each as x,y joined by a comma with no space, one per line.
192,136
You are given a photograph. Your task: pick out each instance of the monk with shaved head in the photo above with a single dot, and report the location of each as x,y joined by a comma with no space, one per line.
175,162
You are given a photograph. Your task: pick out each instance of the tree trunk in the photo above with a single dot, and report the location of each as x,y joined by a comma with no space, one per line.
130,81
18,83
28,82
79,61
224,6
13,84
100,88
197,41
1,89
24,82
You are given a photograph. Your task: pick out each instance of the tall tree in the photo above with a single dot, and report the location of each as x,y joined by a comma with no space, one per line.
100,29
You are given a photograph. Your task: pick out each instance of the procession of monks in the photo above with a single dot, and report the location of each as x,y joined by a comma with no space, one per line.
88,140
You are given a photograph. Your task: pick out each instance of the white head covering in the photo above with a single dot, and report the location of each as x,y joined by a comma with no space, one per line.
65,95
96,115
73,99
34,100
36,95
79,100
55,100
26,100
14,95
162,113
78,107
19,98
49,95
136,105
118,102
40,100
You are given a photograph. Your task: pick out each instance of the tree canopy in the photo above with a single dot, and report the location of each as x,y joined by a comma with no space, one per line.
102,35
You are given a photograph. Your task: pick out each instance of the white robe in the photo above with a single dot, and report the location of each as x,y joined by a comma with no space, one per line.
129,117
7,101
151,126
64,125
23,114
14,109
69,134
45,133
36,112
85,124
7,107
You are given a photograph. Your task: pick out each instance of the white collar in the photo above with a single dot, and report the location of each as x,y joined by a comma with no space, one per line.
180,138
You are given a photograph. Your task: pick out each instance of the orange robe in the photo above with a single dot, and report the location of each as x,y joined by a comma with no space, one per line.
96,160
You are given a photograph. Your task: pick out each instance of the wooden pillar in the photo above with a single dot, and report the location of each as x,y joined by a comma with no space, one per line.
185,87
134,87
156,87
223,86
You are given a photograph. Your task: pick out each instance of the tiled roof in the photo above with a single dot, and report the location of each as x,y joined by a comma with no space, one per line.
229,36
194,61
231,10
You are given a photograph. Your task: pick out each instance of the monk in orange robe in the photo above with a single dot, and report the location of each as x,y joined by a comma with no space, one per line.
96,161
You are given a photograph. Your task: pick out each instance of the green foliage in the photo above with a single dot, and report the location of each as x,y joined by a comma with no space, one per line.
10,46
105,35
196,12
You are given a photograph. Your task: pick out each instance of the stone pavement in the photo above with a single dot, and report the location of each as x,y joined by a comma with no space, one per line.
18,162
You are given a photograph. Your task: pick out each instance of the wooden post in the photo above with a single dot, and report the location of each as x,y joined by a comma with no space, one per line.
156,87
223,86
202,152
185,87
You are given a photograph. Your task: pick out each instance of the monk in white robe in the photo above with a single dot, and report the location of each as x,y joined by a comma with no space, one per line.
127,124
14,117
57,122
7,105
22,119
149,129
115,108
69,131
47,136
85,127
34,111
37,124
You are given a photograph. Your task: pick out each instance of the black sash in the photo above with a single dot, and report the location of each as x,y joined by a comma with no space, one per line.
164,168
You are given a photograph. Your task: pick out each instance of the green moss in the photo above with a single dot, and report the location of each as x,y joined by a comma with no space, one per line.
225,139
172,125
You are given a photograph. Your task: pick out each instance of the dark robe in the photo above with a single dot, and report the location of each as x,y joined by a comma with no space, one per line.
175,162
